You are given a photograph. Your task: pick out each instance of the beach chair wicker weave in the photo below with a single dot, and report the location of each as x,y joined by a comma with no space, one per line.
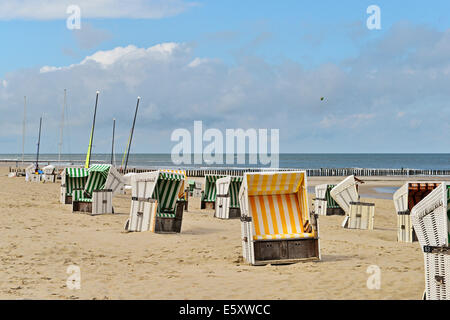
227,197
358,215
276,226
430,219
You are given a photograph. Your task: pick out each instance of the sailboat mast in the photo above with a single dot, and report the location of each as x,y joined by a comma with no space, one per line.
132,130
88,156
39,143
112,147
61,129
23,126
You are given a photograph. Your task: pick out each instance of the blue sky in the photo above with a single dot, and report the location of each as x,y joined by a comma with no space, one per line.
292,51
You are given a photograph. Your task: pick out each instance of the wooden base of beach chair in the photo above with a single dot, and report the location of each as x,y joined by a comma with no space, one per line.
235,213
49,178
68,200
84,207
170,225
361,215
285,251
335,212
210,205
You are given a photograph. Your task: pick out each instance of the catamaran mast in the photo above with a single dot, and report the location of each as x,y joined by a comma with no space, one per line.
61,129
88,156
39,142
112,147
131,134
23,126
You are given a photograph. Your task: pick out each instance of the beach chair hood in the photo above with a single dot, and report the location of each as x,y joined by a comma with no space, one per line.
345,192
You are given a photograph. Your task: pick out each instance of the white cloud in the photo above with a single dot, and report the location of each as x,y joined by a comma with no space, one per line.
359,113
56,9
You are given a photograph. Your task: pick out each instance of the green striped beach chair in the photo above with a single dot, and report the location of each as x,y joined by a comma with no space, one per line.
96,197
227,198
209,195
72,179
154,204
324,204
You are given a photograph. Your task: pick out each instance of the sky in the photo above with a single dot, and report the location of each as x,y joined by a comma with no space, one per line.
230,64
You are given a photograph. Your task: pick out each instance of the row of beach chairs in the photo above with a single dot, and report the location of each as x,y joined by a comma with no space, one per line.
276,224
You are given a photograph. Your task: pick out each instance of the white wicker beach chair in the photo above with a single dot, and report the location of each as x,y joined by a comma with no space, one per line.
227,197
155,205
49,174
430,219
405,198
276,225
359,215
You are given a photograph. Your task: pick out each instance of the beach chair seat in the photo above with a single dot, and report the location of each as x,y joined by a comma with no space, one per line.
208,200
430,219
405,198
276,225
72,179
324,204
155,205
227,198
102,183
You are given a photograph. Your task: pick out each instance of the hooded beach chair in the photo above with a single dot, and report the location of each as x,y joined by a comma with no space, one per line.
49,174
227,198
276,225
183,194
359,215
72,179
102,183
31,175
405,198
324,204
154,205
430,219
209,195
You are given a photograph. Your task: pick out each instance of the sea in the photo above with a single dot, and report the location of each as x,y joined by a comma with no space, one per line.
436,161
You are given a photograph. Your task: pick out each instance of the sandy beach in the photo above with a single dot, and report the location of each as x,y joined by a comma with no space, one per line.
40,239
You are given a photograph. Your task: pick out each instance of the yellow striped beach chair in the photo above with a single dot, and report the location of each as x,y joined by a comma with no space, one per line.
154,203
276,225
102,183
431,219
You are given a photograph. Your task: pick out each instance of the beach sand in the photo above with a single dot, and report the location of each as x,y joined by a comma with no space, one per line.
40,239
